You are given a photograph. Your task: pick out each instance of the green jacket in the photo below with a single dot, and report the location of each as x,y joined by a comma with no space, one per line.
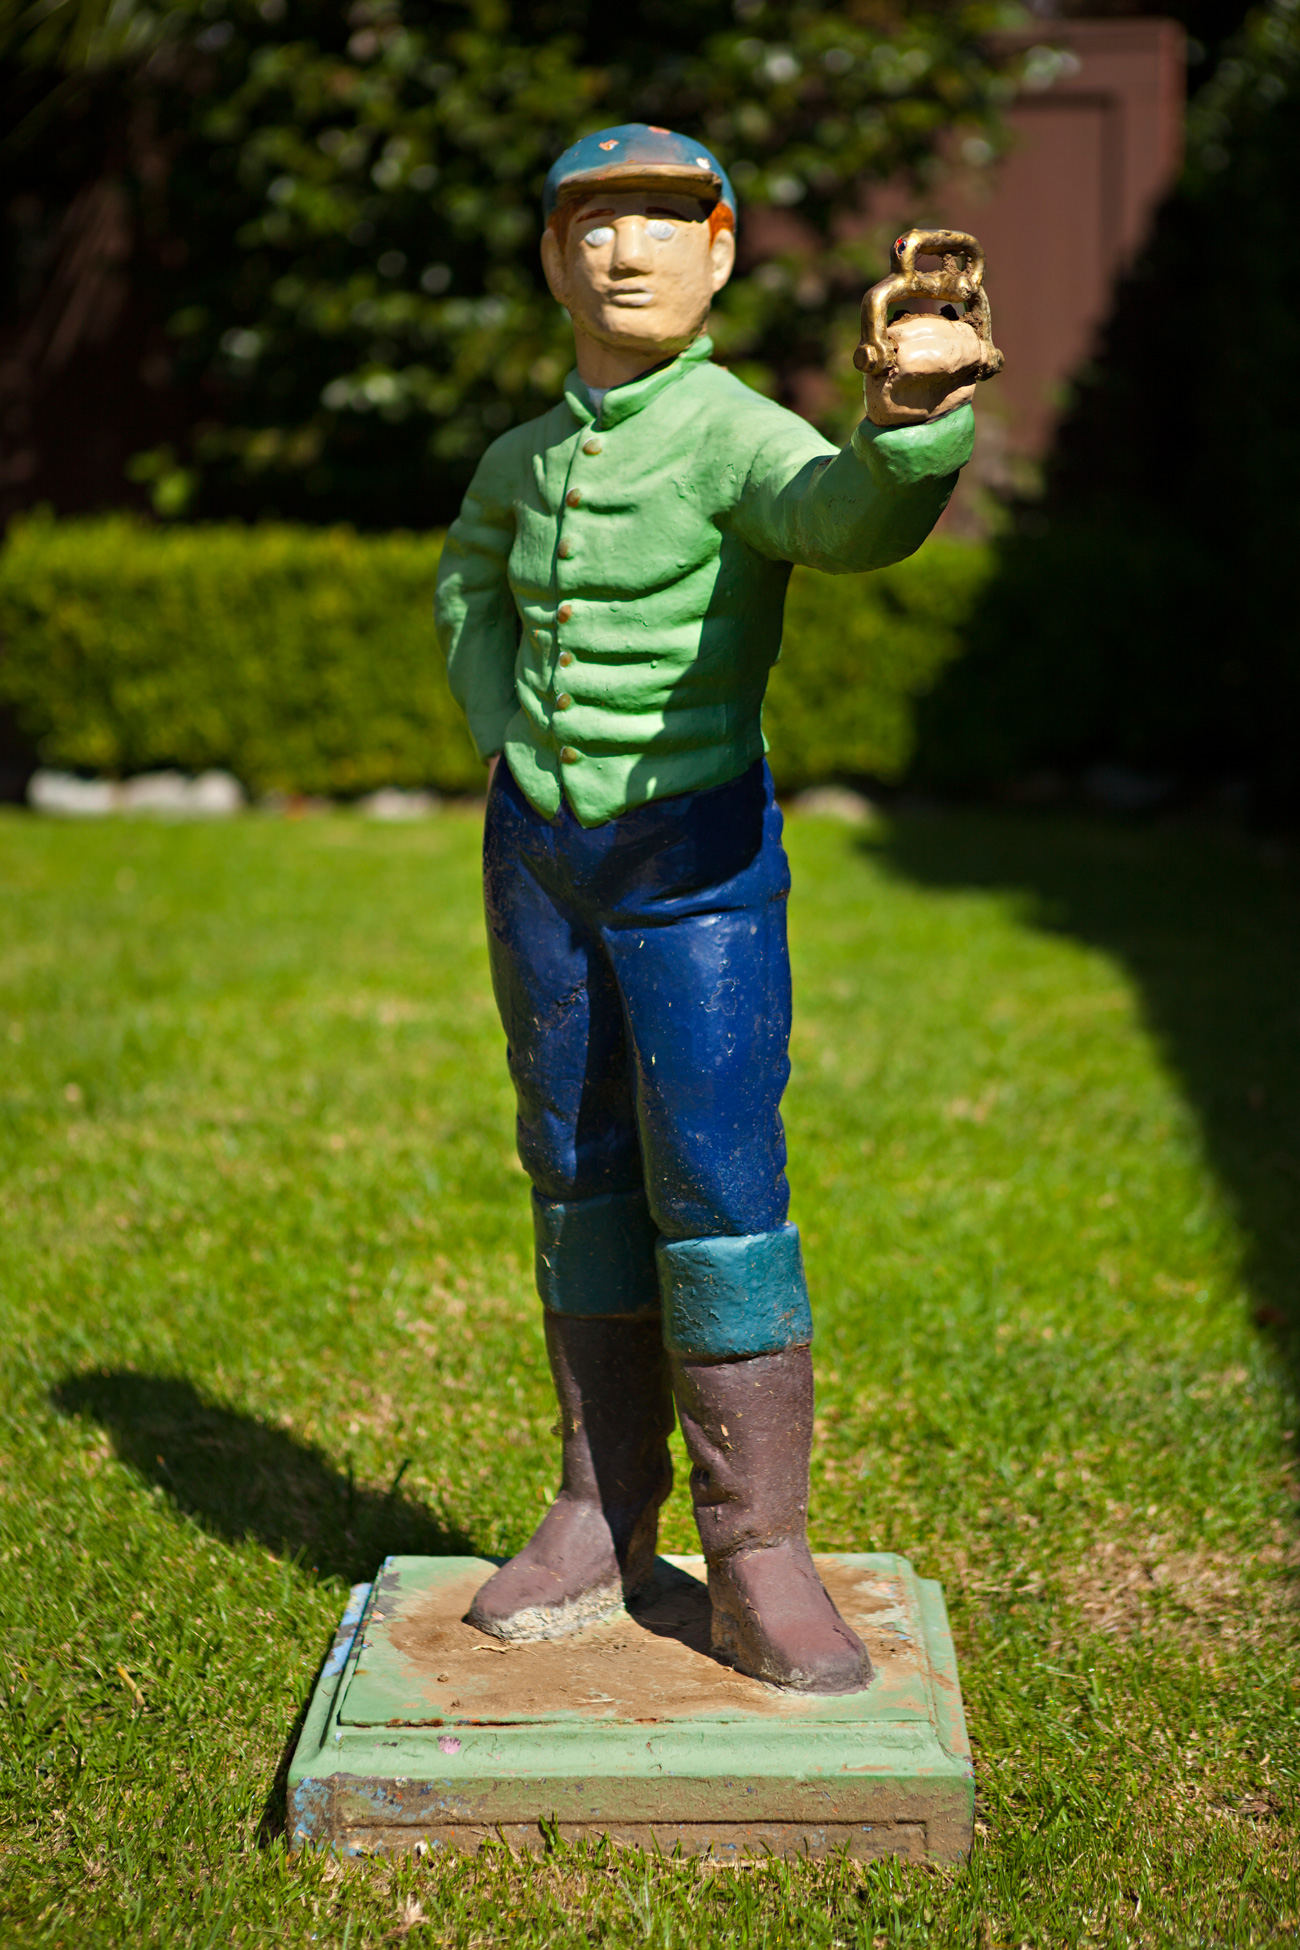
609,599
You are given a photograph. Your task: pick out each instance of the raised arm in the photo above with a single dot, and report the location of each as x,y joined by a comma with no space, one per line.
478,625
871,504
878,499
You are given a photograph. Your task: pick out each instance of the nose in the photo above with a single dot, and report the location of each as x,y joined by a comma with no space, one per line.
632,251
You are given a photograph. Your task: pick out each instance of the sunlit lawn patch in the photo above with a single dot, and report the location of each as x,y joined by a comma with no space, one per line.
267,1313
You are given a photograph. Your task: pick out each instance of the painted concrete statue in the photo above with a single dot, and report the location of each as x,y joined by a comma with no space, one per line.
610,604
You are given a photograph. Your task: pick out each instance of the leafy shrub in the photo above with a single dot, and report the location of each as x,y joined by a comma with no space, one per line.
1093,640
335,211
304,660
857,651
301,659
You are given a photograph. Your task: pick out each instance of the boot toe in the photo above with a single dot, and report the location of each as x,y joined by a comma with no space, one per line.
773,1619
842,1668
517,1586
538,1605
565,1577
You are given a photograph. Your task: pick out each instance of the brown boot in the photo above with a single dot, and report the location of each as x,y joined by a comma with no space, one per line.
596,1544
748,1430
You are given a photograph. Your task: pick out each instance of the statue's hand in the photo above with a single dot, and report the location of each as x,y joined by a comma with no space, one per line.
937,363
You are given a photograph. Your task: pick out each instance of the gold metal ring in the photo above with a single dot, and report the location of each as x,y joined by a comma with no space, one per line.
960,282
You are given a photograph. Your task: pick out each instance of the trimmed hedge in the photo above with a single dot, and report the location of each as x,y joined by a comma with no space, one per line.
301,660
304,660
858,652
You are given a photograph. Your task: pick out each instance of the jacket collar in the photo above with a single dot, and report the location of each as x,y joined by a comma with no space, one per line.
621,402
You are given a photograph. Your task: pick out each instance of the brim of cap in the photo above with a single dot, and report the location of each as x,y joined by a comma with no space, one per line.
704,183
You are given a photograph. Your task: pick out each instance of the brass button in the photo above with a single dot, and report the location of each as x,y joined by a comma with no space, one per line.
567,755
564,551
592,446
574,497
565,658
564,612
563,701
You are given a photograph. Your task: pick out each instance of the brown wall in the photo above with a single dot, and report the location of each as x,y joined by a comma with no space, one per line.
1066,211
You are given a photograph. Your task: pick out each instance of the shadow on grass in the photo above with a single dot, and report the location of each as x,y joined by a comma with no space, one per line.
1207,923
239,1477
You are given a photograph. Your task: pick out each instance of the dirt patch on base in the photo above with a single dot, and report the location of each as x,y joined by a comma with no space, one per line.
652,1662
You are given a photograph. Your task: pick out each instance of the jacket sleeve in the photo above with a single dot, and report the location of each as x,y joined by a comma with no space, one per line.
868,505
474,610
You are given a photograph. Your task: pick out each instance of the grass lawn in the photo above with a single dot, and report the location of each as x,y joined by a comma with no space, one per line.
266,1305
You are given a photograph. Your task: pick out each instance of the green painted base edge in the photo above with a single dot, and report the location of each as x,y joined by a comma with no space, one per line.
717,1787
949,1712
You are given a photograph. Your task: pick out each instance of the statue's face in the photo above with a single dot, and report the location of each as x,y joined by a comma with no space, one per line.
637,272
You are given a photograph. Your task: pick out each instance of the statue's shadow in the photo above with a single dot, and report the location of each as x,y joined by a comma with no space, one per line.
243,1478
674,1605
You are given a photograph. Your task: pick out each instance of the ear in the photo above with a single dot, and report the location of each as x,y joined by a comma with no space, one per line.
553,265
722,257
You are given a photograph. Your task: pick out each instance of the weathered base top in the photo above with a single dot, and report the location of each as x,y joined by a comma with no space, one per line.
425,1733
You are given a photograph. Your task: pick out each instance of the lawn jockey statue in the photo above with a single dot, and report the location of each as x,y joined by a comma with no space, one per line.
610,602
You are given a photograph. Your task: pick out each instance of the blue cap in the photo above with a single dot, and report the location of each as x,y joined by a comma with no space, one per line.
638,156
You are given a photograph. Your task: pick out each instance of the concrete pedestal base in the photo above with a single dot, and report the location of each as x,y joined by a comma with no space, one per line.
423,1732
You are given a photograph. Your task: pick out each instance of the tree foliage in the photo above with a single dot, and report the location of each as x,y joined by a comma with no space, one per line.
338,210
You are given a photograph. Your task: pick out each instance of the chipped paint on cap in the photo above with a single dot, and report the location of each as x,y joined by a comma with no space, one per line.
638,154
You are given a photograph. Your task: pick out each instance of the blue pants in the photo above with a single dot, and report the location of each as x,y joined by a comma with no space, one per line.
643,979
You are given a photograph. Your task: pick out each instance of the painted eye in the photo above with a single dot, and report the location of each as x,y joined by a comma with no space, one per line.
602,234
660,229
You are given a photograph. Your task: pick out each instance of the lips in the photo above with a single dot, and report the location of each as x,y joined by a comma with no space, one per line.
632,300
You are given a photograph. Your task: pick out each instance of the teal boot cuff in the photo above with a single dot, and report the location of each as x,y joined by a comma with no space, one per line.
596,1256
725,1298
